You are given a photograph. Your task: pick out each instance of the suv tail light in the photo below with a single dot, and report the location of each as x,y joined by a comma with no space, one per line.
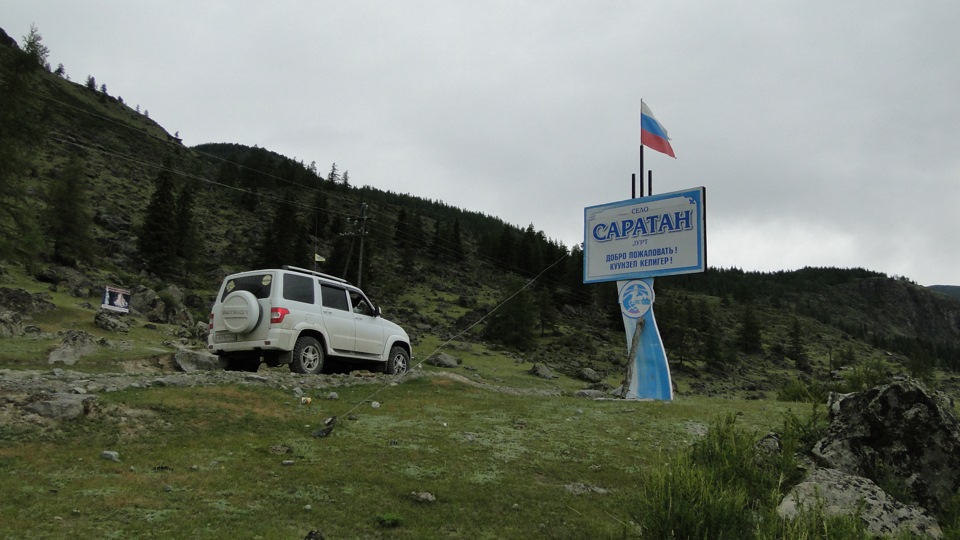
277,314
210,326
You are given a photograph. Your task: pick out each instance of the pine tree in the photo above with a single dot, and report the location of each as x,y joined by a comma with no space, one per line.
22,124
285,241
797,349
189,241
514,323
748,337
456,243
68,218
157,240
33,46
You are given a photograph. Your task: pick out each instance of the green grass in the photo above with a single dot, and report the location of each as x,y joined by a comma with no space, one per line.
208,462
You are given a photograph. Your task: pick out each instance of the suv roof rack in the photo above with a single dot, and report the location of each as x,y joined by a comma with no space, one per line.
305,271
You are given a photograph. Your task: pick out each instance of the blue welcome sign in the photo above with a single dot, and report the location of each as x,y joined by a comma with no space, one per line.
631,242
662,235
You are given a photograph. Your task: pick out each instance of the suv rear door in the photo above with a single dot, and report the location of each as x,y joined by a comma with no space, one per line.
337,318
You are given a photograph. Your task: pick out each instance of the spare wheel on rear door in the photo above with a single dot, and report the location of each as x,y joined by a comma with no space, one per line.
240,311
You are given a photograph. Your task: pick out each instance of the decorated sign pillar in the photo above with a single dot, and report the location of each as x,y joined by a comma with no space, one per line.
648,373
631,242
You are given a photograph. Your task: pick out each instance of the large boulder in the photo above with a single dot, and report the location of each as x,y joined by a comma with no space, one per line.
837,493
24,302
443,360
62,406
897,433
70,280
165,307
73,345
11,325
189,361
111,321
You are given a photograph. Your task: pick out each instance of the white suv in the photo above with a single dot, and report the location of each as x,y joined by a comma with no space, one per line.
299,317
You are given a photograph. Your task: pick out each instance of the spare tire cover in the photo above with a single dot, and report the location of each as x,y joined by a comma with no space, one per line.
240,312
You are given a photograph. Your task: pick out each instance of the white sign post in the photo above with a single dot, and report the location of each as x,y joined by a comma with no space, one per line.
631,242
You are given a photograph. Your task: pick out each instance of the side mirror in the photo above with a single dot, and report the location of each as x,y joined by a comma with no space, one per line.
376,311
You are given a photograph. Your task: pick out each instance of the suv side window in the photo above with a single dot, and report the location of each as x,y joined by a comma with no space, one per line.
298,288
360,304
334,297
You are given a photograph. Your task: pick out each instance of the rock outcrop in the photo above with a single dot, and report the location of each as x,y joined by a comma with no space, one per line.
837,493
898,433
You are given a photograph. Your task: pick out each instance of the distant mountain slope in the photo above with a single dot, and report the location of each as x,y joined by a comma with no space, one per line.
949,290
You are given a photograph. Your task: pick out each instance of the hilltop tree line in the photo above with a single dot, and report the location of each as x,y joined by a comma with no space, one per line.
288,212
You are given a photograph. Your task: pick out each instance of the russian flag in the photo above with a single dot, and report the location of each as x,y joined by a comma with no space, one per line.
652,133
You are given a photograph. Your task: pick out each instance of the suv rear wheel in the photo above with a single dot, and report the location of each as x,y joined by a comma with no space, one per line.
307,356
398,363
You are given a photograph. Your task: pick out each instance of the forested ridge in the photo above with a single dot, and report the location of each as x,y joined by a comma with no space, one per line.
91,182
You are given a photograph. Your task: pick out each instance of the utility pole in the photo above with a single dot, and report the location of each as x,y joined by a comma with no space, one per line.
363,232
360,231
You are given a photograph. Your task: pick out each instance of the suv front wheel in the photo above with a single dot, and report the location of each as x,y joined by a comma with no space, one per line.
307,356
399,361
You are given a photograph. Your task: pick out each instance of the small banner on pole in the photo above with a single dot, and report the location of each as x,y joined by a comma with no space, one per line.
115,299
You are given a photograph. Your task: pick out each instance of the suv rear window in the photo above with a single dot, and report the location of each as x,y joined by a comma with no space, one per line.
258,284
298,288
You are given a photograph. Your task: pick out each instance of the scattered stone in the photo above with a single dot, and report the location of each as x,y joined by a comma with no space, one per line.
443,360
423,496
589,375
333,396
307,507
298,392
188,361
111,455
287,462
590,394
375,404
579,488
840,494
542,371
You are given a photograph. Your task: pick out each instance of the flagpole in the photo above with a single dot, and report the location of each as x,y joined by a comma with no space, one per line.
641,169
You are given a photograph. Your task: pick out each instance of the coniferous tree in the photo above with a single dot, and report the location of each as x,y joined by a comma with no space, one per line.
21,130
189,241
507,248
34,48
67,218
401,230
285,241
797,349
157,240
514,323
91,83
748,336
456,243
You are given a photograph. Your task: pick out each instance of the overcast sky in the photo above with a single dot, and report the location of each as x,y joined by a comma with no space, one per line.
826,133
